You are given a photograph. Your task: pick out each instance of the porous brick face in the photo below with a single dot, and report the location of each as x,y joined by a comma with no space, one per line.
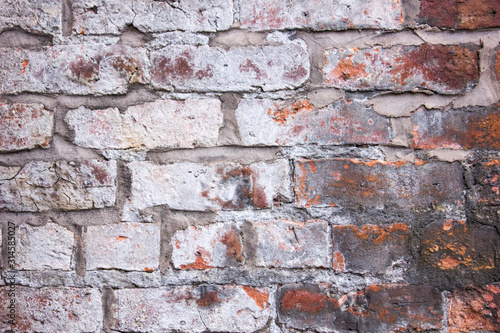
250,166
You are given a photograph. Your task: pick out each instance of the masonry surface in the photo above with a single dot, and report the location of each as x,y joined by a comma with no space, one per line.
250,166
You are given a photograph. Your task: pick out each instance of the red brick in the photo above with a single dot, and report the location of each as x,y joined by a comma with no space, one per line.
456,245
457,129
370,248
475,308
321,14
497,66
25,126
460,14
442,69
487,182
271,122
342,182
378,308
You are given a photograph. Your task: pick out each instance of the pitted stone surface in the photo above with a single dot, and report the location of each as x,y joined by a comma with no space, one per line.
160,124
38,16
25,126
40,186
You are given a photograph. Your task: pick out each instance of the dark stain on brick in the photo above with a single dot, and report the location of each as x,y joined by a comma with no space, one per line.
131,66
233,245
205,73
303,301
99,173
85,69
208,298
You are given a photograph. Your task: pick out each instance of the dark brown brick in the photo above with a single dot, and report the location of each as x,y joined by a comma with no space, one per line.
460,14
455,245
332,182
475,308
457,129
370,248
487,182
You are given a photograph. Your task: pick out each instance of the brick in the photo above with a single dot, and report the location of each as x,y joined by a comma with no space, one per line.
202,247
352,183
125,246
112,17
38,16
160,124
203,68
191,309
25,126
460,14
475,308
208,187
456,245
74,69
378,308
40,186
487,183
439,68
288,244
457,129
497,66
42,248
370,248
56,310
321,15
271,123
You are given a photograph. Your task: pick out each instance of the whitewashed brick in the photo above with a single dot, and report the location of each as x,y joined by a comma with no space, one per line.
40,16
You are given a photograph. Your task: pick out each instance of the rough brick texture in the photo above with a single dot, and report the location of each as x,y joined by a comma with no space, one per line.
216,245
371,248
321,15
38,16
267,122
161,124
443,69
25,126
74,69
240,69
475,308
354,182
487,182
55,310
457,129
193,309
125,246
39,186
456,14
378,308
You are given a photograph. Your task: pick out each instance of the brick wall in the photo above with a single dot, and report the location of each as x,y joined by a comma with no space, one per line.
250,166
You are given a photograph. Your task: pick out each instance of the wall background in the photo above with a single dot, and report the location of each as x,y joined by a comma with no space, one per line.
250,166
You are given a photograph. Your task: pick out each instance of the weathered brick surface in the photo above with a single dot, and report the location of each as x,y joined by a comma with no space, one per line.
475,308
289,244
112,17
460,14
497,66
370,248
74,69
192,309
455,245
42,248
443,69
57,310
378,308
38,16
160,124
330,182
487,182
25,126
321,15
40,186
208,187
204,68
457,129
125,246
268,122
215,245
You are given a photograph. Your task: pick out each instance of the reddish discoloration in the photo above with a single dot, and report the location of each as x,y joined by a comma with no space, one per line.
99,173
199,263
487,180
85,69
338,261
303,301
250,66
346,70
259,297
233,245
120,238
497,66
149,269
452,245
25,63
208,298
295,74
281,115
475,308
460,14
132,67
